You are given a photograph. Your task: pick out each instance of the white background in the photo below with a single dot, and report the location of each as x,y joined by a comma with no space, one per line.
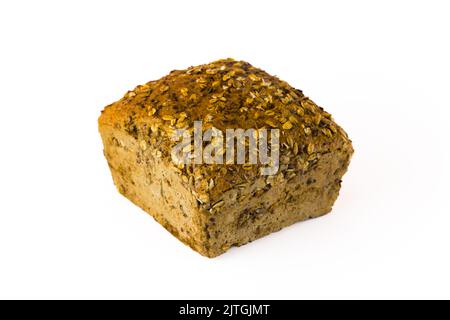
380,67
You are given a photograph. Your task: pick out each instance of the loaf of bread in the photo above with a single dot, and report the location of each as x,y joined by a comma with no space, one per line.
212,206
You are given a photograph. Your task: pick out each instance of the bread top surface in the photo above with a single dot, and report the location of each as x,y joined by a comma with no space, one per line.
227,94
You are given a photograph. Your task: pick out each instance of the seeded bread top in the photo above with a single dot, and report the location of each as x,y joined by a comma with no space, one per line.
227,94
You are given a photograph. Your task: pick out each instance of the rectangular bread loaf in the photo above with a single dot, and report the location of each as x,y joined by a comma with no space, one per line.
150,144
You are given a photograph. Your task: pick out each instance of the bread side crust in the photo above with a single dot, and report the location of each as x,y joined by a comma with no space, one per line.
154,186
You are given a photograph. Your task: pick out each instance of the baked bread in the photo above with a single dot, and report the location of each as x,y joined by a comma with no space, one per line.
211,206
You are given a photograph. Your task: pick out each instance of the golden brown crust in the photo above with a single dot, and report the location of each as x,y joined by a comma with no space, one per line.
227,94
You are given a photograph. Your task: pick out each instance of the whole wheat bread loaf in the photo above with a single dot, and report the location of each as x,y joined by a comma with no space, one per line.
212,207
